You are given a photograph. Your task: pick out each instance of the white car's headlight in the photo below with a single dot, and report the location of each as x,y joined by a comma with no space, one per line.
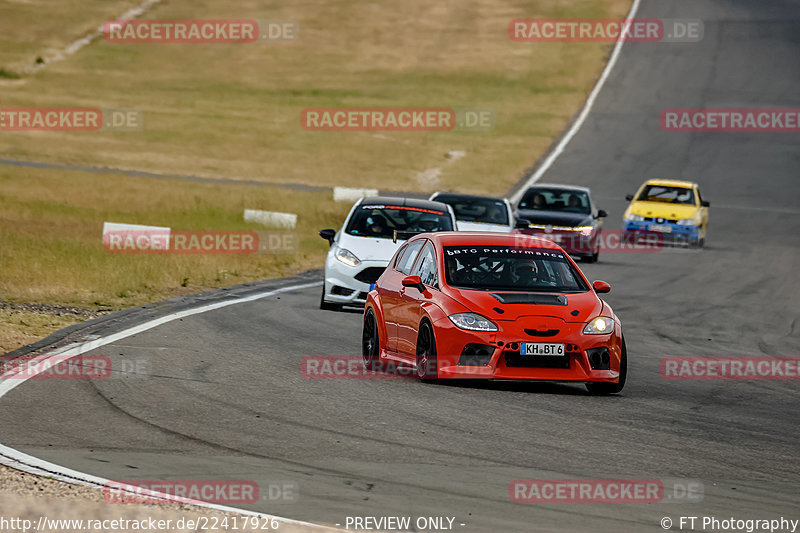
687,222
601,325
473,322
634,218
346,256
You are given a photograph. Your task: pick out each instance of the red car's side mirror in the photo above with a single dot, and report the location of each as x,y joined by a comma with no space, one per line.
413,281
601,287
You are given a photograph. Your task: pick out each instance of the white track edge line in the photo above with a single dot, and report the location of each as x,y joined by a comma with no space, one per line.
587,107
33,465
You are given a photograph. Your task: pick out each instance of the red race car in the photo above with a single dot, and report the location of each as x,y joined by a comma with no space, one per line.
497,306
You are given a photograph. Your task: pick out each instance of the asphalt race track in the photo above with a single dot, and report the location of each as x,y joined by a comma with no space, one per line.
226,398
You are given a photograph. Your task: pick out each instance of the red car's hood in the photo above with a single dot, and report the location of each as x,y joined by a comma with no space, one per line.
519,304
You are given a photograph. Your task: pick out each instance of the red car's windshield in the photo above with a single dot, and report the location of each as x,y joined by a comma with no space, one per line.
510,269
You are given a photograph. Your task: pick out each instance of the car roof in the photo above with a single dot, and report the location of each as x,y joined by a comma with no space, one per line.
464,196
559,186
670,183
407,202
464,238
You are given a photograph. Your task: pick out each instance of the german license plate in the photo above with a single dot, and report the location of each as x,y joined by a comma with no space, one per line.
541,348
663,228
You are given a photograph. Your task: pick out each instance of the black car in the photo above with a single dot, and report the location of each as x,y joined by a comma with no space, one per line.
565,214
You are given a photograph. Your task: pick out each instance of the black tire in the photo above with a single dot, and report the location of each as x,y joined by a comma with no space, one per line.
370,341
613,388
426,353
591,258
327,306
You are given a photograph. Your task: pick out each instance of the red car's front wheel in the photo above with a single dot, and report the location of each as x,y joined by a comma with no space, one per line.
426,353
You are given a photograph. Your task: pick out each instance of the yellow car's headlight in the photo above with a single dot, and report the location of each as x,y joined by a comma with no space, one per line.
688,222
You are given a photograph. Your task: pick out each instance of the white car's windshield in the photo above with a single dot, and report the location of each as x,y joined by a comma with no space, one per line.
381,221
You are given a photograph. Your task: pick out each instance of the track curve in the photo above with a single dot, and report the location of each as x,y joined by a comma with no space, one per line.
226,399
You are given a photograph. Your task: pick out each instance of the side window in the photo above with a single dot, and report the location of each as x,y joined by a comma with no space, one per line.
407,260
399,257
426,266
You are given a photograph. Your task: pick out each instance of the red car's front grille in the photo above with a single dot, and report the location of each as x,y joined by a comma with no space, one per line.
516,360
542,332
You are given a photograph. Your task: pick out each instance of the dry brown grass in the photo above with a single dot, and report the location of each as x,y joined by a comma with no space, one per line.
51,233
25,327
233,110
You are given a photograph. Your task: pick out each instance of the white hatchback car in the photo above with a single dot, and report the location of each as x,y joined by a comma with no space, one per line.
373,231
478,213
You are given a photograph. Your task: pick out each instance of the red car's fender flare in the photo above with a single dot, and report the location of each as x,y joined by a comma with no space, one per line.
434,314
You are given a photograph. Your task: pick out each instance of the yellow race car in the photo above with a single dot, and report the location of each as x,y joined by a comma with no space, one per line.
672,208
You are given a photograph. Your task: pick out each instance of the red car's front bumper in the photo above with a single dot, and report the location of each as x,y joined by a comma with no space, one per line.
505,362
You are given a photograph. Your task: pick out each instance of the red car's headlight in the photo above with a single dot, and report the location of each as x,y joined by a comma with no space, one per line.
473,322
602,325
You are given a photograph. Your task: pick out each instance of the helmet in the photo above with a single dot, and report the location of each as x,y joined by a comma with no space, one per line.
428,224
525,271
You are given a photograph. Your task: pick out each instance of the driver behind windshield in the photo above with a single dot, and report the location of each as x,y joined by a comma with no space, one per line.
428,224
525,273
495,215
376,226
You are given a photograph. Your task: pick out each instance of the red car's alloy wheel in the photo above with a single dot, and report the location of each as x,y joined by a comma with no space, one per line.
426,353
